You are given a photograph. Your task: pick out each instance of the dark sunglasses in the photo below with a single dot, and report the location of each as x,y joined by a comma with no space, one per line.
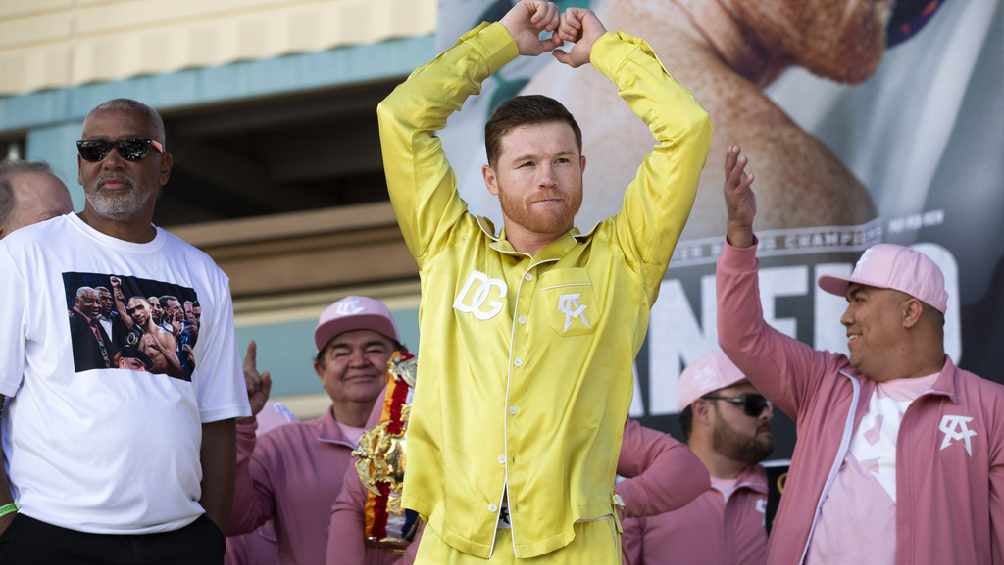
753,404
131,149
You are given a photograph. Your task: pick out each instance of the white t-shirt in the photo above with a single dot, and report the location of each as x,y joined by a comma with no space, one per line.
99,449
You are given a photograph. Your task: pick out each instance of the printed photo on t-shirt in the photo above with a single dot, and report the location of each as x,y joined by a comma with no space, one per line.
123,322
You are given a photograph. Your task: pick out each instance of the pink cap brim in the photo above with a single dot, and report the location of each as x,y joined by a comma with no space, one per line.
374,322
691,396
835,285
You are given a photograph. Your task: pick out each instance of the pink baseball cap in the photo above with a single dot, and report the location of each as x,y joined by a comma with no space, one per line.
708,374
354,313
898,268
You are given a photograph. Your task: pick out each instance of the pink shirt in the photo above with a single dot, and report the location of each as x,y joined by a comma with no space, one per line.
862,502
718,528
351,433
724,486
949,450
292,475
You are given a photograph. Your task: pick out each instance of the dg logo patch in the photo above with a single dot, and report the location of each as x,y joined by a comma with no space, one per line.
481,296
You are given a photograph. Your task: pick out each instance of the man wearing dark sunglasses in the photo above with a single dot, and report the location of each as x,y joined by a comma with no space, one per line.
122,166
104,465
726,423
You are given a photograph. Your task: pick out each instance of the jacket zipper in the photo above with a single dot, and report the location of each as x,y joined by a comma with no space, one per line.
845,444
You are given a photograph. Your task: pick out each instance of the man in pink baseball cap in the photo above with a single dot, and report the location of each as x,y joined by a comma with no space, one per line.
900,454
294,473
726,423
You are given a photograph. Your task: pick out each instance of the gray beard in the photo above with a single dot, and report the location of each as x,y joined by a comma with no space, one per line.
121,207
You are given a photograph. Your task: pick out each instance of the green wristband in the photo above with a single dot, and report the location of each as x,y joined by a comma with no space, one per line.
8,509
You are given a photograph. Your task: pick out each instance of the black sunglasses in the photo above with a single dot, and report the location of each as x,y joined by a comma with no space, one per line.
131,149
753,404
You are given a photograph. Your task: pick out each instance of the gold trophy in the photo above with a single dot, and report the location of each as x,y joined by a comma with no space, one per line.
381,460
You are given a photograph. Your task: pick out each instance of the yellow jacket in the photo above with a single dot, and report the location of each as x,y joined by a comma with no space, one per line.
526,361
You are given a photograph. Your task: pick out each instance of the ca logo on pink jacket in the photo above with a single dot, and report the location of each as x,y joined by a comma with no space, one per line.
956,429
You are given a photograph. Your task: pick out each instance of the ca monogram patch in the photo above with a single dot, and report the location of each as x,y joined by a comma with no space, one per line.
956,429
481,296
568,304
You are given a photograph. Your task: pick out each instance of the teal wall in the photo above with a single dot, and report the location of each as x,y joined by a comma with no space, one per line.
51,119
287,350
50,143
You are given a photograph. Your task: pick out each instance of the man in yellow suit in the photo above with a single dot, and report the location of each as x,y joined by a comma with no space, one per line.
528,336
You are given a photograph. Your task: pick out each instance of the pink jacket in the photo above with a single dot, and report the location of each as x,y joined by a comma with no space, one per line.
293,476
950,507
708,531
256,548
664,475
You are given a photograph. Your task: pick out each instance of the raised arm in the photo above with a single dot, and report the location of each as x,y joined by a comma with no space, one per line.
422,186
254,494
784,369
662,473
119,297
254,498
658,200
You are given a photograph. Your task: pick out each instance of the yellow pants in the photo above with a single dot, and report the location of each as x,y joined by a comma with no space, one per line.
597,542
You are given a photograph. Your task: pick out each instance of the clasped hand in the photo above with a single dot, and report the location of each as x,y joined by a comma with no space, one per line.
528,19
